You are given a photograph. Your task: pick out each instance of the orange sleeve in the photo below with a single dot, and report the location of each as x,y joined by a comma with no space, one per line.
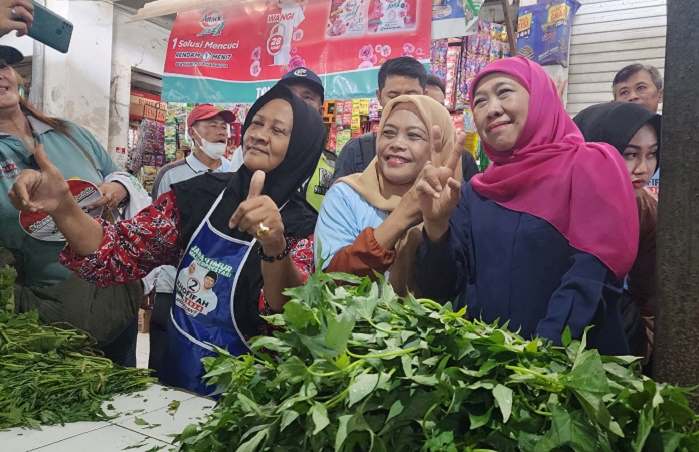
363,257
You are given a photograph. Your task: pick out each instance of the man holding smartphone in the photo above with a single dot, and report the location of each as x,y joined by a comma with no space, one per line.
16,15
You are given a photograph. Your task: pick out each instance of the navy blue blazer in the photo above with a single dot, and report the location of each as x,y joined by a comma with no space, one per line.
517,268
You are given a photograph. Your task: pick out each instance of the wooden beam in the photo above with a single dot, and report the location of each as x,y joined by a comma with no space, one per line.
509,25
677,325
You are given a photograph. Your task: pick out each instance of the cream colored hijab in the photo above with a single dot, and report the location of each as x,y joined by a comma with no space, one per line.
370,184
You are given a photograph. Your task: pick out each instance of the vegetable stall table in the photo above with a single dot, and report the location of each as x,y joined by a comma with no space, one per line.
143,421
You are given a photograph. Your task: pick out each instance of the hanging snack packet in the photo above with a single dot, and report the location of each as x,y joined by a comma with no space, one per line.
543,31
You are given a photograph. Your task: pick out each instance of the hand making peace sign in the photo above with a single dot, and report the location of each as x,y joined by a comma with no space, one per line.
438,188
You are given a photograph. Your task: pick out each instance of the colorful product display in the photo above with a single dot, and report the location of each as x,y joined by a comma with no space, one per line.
438,57
488,44
543,31
452,76
149,149
457,61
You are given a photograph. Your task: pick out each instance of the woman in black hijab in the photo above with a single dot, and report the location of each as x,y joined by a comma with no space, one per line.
635,132
252,228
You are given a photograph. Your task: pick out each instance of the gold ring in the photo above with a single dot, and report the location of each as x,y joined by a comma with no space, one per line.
262,230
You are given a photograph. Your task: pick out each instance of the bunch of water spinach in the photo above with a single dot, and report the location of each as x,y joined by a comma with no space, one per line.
53,374
354,367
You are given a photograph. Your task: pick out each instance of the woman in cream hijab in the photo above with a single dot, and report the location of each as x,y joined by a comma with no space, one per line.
367,221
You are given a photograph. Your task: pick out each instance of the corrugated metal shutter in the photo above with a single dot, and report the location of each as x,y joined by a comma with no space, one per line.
608,35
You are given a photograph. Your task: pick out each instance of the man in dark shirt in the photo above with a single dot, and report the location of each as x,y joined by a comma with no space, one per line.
640,84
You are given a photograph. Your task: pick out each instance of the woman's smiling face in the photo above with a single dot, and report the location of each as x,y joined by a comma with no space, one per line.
403,147
500,110
9,86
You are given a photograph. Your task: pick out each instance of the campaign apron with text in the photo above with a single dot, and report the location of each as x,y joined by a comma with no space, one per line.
203,312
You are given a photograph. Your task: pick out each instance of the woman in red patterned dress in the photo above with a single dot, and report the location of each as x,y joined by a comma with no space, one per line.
248,233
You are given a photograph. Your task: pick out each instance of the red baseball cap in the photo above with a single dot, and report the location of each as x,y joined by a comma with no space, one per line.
208,111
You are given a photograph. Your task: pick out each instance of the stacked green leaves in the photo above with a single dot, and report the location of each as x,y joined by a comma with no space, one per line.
7,287
356,368
51,375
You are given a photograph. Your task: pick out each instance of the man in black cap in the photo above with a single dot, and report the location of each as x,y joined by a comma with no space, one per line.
306,85
16,15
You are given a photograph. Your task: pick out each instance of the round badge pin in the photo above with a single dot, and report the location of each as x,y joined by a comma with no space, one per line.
41,226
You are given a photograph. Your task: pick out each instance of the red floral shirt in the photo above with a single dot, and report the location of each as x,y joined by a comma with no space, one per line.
130,249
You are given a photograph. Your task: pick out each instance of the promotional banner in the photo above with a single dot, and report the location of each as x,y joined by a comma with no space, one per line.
236,53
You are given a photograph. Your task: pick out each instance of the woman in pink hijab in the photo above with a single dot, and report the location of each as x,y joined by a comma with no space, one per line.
543,237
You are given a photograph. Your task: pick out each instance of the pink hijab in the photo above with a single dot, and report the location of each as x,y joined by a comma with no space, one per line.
582,189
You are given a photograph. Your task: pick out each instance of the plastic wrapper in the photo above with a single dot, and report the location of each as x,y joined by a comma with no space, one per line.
438,57
543,31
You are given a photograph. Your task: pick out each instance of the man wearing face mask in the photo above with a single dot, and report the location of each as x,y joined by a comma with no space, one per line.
209,130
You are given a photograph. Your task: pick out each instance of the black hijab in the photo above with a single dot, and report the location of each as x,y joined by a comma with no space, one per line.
615,123
196,196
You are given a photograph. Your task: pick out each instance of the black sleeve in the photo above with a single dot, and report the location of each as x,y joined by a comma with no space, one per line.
442,268
345,164
469,166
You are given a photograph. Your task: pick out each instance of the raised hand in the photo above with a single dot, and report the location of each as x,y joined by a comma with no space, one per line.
259,216
16,15
44,190
438,188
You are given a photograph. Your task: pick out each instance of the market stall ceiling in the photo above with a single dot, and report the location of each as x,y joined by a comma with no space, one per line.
134,5
158,8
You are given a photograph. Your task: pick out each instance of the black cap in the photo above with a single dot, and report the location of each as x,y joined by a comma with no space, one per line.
10,55
307,76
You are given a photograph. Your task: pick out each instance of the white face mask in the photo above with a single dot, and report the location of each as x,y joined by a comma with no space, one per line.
213,150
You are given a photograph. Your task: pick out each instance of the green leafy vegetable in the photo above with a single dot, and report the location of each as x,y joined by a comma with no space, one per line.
172,407
356,368
7,288
51,375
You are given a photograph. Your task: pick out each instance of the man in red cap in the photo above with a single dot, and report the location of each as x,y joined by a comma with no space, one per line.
209,129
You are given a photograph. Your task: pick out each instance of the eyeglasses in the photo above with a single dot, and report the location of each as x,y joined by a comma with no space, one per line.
4,64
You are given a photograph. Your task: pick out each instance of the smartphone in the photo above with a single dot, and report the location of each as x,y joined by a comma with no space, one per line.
51,29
